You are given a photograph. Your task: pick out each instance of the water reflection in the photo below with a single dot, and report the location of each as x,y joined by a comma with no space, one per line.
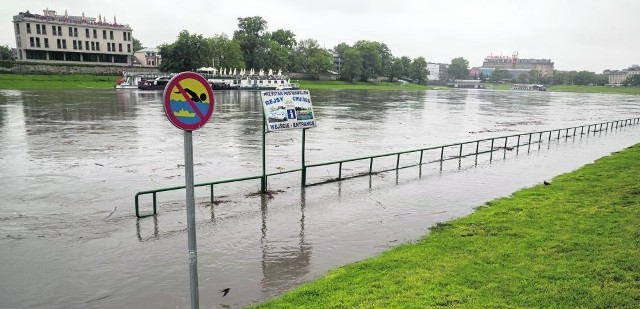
73,158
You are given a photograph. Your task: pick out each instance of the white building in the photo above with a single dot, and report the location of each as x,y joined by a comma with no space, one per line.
72,39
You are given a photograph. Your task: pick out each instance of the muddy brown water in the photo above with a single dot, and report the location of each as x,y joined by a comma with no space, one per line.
72,161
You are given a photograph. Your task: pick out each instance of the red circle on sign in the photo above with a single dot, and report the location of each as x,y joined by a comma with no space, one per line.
190,109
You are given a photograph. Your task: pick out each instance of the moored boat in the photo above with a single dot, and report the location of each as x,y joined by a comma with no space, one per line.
531,87
158,83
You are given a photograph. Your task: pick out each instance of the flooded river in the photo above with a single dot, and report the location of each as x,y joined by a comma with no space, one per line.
72,162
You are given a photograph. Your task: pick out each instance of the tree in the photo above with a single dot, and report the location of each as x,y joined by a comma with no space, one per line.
396,68
137,45
187,53
224,52
632,80
534,76
419,69
250,35
5,53
285,38
352,64
312,59
371,59
459,68
406,66
583,78
499,75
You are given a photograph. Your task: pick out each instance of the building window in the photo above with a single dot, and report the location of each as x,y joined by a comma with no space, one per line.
70,31
46,43
120,47
60,30
111,35
113,47
75,44
86,32
75,32
28,28
38,42
108,47
59,44
97,45
53,30
93,45
86,45
32,42
64,44
18,29
38,29
104,34
128,48
95,33
79,45
44,29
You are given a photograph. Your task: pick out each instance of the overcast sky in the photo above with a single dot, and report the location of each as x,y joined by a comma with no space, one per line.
577,35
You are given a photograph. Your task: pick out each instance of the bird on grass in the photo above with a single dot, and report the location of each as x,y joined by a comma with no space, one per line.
225,291
546,183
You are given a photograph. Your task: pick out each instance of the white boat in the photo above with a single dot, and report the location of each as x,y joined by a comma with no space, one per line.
250,82
131,80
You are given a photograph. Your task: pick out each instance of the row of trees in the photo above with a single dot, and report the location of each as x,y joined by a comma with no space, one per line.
252,46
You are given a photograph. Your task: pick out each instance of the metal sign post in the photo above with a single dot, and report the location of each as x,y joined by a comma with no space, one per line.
188,103
191,219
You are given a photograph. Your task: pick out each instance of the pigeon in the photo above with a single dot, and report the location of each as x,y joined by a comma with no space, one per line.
225,291
546,183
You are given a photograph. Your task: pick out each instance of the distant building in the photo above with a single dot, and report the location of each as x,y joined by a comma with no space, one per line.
72,39
617,78
147,57
515,66
437,71
337,62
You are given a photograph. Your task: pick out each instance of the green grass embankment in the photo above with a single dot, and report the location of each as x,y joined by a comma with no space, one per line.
316,84
574,88
572,244
595,89
70,81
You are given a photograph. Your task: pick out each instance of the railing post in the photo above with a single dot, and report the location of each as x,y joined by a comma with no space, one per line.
550,136
154,204
441,153
137,210
558,134
477,147
340,171
581,130
518,145
211,194
588,129
263,183
371,166
491,151
421,152
398,162
303,180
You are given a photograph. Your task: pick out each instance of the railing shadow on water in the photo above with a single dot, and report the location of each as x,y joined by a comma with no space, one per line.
422,156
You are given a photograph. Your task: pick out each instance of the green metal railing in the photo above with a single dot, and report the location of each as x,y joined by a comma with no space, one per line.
458,147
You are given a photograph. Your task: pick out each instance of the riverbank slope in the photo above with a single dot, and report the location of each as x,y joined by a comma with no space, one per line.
572,243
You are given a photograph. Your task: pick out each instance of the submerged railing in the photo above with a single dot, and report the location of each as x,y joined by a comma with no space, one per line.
496,144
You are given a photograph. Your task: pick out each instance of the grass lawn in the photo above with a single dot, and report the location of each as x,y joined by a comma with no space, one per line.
70,81
595,89
572,244
315,84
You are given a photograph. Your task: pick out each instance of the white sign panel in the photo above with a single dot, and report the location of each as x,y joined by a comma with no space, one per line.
287,109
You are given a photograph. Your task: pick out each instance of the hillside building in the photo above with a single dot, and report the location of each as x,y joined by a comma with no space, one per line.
437,71
515,66
72,39
617,78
